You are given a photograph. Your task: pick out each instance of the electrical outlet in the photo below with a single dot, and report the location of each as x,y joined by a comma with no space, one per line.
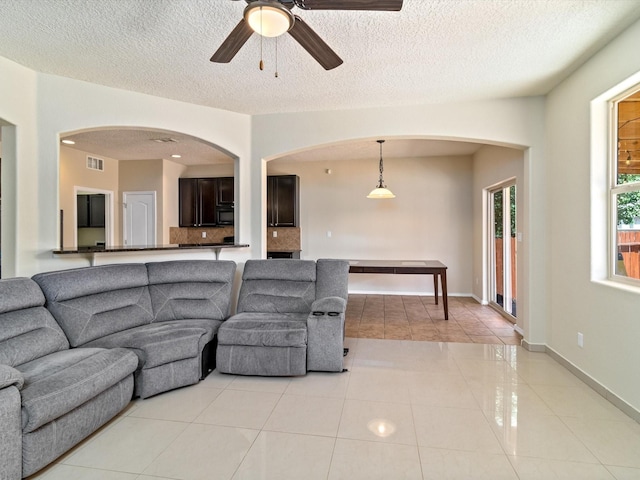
275,234
328,233
580,340
204,234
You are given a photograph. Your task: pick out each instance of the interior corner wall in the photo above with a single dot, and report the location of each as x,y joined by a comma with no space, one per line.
430,218
606,316
171,172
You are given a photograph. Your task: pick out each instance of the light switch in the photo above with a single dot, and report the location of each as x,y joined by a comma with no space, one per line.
275,234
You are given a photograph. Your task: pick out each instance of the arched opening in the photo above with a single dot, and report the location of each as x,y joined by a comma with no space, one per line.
439,212
133,174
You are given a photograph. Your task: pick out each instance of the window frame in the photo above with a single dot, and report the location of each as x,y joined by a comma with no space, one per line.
615,189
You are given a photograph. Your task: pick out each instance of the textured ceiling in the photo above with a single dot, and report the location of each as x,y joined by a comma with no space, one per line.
432,51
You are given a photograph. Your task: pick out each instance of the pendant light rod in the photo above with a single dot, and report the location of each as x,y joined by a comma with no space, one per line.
381,180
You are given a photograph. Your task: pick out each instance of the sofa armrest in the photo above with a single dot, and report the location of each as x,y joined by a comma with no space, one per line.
325,335
333,306
10,423
10,376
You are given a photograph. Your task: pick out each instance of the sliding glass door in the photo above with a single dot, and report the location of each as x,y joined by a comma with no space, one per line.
502,247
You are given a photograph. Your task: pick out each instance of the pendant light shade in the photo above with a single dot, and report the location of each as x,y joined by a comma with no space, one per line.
381,191
268,18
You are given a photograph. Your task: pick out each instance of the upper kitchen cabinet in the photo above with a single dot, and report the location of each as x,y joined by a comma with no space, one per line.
197,202
225,195
206,202
90,211
283,201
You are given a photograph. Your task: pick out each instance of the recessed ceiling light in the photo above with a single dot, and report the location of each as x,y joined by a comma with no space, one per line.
176,156
69,142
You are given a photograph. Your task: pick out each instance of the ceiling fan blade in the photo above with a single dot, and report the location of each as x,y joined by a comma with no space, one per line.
236,39
313,44
379,5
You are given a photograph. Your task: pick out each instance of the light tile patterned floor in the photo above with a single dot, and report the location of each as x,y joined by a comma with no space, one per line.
400,317
404,410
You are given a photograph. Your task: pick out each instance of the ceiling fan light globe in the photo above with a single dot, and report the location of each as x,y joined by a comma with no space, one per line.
268,19
379,192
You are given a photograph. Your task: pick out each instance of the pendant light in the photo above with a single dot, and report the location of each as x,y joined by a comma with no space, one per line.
381,191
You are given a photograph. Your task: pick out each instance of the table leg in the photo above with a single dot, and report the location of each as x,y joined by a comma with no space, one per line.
435,287
445,300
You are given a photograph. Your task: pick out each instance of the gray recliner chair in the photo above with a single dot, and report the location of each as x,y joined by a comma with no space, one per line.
289,320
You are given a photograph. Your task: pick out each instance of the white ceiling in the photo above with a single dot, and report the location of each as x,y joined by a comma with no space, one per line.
432,51
136,144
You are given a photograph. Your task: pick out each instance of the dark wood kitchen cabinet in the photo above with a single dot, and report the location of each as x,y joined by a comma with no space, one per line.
90,211
206,202
283,201
197,202
225,195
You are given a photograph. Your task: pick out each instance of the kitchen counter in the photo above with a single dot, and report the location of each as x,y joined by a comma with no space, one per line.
91,251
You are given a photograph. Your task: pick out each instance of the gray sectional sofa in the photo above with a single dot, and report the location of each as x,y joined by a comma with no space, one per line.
51,396
77,345
167,313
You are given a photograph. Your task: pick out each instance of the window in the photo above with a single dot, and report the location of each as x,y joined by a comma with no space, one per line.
625,188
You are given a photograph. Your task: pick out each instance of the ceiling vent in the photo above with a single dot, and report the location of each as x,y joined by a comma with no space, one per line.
165,140
94,163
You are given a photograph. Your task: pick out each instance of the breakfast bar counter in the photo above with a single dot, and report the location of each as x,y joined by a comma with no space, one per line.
98,250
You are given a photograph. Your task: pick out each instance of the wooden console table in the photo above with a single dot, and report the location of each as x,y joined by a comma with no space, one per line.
407,267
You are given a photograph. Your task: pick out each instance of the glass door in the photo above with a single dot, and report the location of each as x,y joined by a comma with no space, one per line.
502,247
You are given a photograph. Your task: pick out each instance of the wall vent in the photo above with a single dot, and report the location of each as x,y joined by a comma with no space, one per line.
94,163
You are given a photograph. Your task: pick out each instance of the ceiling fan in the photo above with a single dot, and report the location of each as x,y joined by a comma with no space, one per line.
271,18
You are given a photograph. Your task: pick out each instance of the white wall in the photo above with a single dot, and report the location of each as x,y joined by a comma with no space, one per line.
19,157
65,105
514,122
430,218
607,316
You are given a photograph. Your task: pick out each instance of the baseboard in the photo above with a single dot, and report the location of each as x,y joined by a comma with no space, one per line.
479,300
588,380
394,292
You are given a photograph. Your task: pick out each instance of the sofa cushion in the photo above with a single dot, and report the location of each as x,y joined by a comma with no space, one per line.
27,329
159,343
279,286
191,289
265,330
60,382
93,302
332,278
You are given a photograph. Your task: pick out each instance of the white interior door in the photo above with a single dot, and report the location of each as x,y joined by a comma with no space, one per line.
139,216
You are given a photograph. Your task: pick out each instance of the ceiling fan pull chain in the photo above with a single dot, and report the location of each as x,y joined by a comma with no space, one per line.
276,57
261,62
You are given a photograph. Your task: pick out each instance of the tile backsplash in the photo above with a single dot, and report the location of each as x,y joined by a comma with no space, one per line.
194,235
288,239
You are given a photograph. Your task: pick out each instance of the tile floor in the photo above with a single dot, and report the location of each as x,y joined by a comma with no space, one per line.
404,410
419,318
